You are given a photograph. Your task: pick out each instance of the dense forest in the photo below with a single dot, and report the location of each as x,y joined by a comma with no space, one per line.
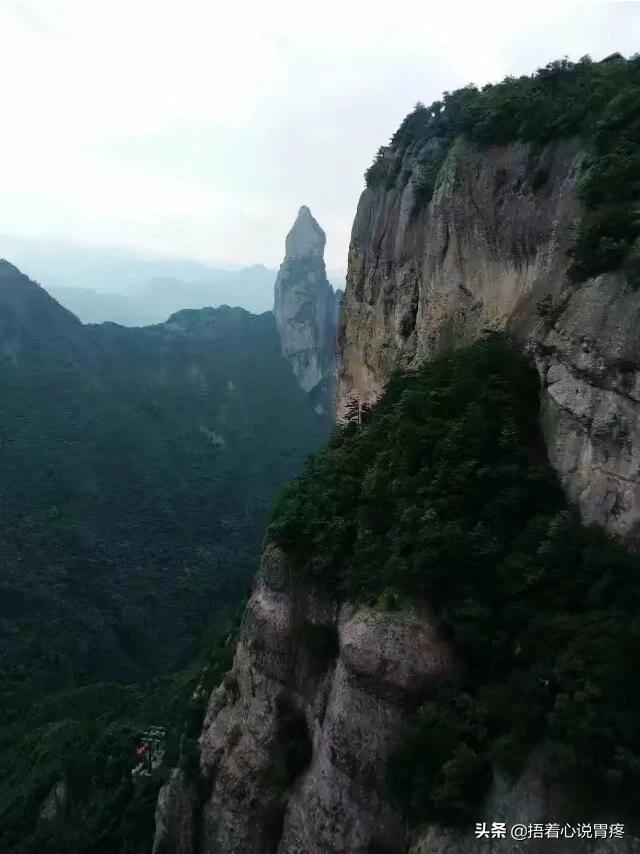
442,494
138,469
597,101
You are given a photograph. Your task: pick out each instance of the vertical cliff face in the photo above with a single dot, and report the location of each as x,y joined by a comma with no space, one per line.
295,740
305,311
489,251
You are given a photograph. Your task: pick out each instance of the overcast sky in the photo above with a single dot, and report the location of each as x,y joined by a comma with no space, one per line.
198,129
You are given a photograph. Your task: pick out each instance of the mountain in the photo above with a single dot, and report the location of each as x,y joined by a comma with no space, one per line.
31,322
305,309
153,300
443,631
102,269
131,288
490,250
131,449
138,469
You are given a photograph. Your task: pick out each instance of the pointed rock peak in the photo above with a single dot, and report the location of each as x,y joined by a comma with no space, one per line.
306,238
305,213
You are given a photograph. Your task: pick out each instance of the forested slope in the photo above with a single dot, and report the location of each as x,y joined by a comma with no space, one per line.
137,469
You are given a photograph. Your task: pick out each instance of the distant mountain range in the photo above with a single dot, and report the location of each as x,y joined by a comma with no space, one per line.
139,467
154,300
135,289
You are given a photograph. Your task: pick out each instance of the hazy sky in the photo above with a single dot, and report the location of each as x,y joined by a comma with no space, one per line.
198,129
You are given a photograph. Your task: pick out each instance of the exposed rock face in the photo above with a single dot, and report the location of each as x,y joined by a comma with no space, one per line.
490,251
175,817
295,739
305,311
56,805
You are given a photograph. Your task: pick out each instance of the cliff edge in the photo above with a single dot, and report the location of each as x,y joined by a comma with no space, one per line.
490,251
408,561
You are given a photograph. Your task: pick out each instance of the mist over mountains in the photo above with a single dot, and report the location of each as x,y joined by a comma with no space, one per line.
137,289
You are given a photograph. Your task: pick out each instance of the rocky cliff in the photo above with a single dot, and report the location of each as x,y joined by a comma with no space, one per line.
296,738
490,251
305,311
294,741
453,241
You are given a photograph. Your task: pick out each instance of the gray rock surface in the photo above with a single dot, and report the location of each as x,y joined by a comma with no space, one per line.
342,706
331,684
305,311
56,805
490,252
175,818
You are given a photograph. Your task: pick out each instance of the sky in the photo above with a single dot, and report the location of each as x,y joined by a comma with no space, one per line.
197,129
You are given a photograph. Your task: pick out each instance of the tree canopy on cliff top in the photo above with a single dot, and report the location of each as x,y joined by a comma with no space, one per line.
598,101
444,495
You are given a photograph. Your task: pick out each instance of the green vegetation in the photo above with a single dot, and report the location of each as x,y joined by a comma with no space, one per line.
444,495
87,737
138,469
440,768
598,101
425,180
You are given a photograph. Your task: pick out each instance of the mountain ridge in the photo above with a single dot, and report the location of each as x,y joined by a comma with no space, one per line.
496,218
138,468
